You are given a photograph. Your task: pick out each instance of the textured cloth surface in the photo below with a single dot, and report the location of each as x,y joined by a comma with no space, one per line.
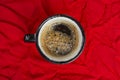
100,59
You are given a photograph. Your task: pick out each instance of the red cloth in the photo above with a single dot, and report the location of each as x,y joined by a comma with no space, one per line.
100,59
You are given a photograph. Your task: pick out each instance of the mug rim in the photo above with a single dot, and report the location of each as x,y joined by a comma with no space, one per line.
83,39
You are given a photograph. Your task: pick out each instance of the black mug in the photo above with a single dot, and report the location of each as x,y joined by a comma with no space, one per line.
60,39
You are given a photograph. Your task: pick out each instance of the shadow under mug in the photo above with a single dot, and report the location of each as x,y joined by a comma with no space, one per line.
73,27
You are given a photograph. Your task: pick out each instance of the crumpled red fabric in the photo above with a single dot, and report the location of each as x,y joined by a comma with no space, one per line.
100,59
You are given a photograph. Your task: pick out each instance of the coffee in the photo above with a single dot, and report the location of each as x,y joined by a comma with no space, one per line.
59,39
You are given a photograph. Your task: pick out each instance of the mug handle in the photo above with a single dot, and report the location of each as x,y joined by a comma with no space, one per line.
29,38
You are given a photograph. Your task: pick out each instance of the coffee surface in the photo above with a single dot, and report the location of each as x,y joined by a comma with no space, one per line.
59,40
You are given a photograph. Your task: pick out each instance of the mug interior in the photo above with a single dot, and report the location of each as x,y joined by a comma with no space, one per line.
42,31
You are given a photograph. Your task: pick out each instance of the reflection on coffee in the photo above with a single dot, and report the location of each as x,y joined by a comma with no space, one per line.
60,39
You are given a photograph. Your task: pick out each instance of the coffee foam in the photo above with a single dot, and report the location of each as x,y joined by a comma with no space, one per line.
42,33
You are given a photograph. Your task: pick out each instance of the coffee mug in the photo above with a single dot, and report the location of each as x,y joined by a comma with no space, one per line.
60,39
